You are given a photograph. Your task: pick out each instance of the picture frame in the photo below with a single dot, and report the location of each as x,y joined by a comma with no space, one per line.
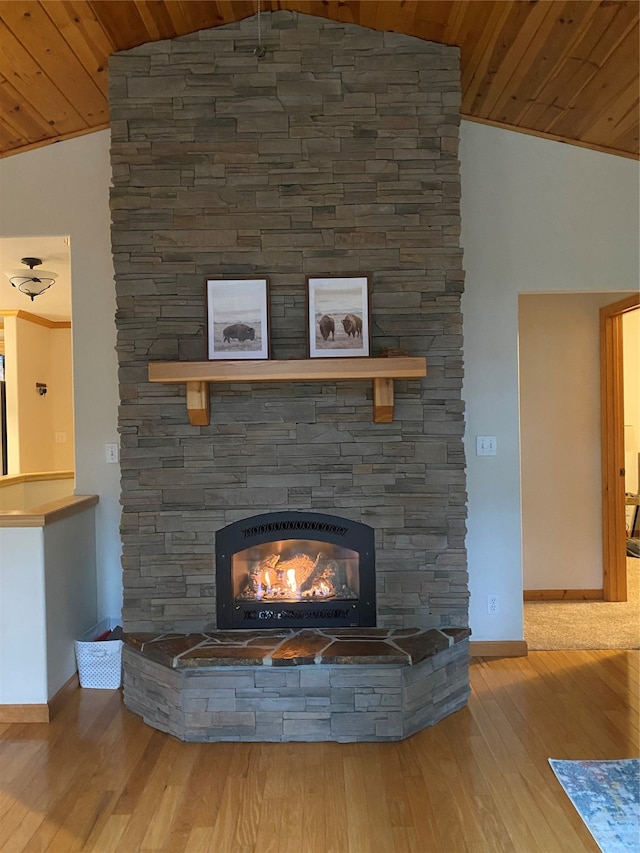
237,318
338,316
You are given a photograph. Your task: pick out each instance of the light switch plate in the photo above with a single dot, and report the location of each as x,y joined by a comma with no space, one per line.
112,452
486,445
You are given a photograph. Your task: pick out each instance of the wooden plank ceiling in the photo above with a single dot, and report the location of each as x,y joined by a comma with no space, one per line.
565,70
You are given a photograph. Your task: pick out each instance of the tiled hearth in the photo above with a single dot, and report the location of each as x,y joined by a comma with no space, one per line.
283,685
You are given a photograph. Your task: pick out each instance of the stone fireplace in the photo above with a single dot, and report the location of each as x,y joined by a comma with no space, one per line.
335,154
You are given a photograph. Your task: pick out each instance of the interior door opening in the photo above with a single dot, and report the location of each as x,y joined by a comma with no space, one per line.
612,382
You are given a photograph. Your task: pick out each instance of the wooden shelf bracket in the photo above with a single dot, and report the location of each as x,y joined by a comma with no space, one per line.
383,402
198,403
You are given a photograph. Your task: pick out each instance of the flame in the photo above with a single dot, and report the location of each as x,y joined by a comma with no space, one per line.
297,577
291,580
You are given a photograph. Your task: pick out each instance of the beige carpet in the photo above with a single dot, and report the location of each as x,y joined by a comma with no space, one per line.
586,624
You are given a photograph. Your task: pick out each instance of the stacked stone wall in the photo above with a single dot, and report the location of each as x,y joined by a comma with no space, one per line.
334,154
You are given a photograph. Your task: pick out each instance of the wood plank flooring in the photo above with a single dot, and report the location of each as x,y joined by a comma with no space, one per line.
97,779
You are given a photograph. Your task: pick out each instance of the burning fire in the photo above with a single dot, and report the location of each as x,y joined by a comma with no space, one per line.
300,577
291,581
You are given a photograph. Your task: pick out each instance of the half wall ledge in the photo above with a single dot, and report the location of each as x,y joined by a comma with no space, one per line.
343,684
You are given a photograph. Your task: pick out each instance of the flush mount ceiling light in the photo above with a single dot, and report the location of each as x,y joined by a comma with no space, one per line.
32,283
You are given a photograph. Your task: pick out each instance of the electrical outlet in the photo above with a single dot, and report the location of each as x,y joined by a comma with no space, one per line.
493,604
61,437
111,453
486,445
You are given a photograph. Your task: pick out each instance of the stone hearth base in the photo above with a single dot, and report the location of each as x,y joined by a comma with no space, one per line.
307,685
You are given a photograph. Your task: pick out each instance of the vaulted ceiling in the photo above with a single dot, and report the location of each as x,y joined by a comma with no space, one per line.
564,70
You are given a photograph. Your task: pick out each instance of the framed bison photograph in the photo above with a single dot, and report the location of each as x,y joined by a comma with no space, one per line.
338,316
237,318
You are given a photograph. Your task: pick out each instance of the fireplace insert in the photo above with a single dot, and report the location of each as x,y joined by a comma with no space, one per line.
295,570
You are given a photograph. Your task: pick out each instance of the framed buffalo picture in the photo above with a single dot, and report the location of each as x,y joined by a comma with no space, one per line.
338,316
237,318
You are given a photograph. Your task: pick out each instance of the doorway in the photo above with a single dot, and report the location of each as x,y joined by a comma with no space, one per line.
614,557
561,470
36,349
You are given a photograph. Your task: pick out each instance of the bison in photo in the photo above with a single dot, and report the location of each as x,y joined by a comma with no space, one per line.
352,325
327,327
238,331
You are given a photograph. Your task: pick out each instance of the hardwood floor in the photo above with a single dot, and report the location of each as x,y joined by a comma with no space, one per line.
98,779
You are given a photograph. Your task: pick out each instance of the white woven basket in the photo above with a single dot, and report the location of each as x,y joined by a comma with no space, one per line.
99,663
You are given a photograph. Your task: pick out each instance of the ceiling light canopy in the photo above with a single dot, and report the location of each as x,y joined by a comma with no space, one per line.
32,282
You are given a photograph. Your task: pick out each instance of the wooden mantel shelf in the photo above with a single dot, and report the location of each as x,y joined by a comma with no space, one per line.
197,375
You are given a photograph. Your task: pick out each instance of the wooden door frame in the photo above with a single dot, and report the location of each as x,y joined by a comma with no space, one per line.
614,566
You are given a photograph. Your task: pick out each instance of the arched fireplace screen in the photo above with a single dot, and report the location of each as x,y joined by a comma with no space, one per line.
294,570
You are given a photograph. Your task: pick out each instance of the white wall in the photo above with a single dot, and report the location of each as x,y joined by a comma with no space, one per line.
47,600
23,647
537,216
560,451
70,592
64,189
